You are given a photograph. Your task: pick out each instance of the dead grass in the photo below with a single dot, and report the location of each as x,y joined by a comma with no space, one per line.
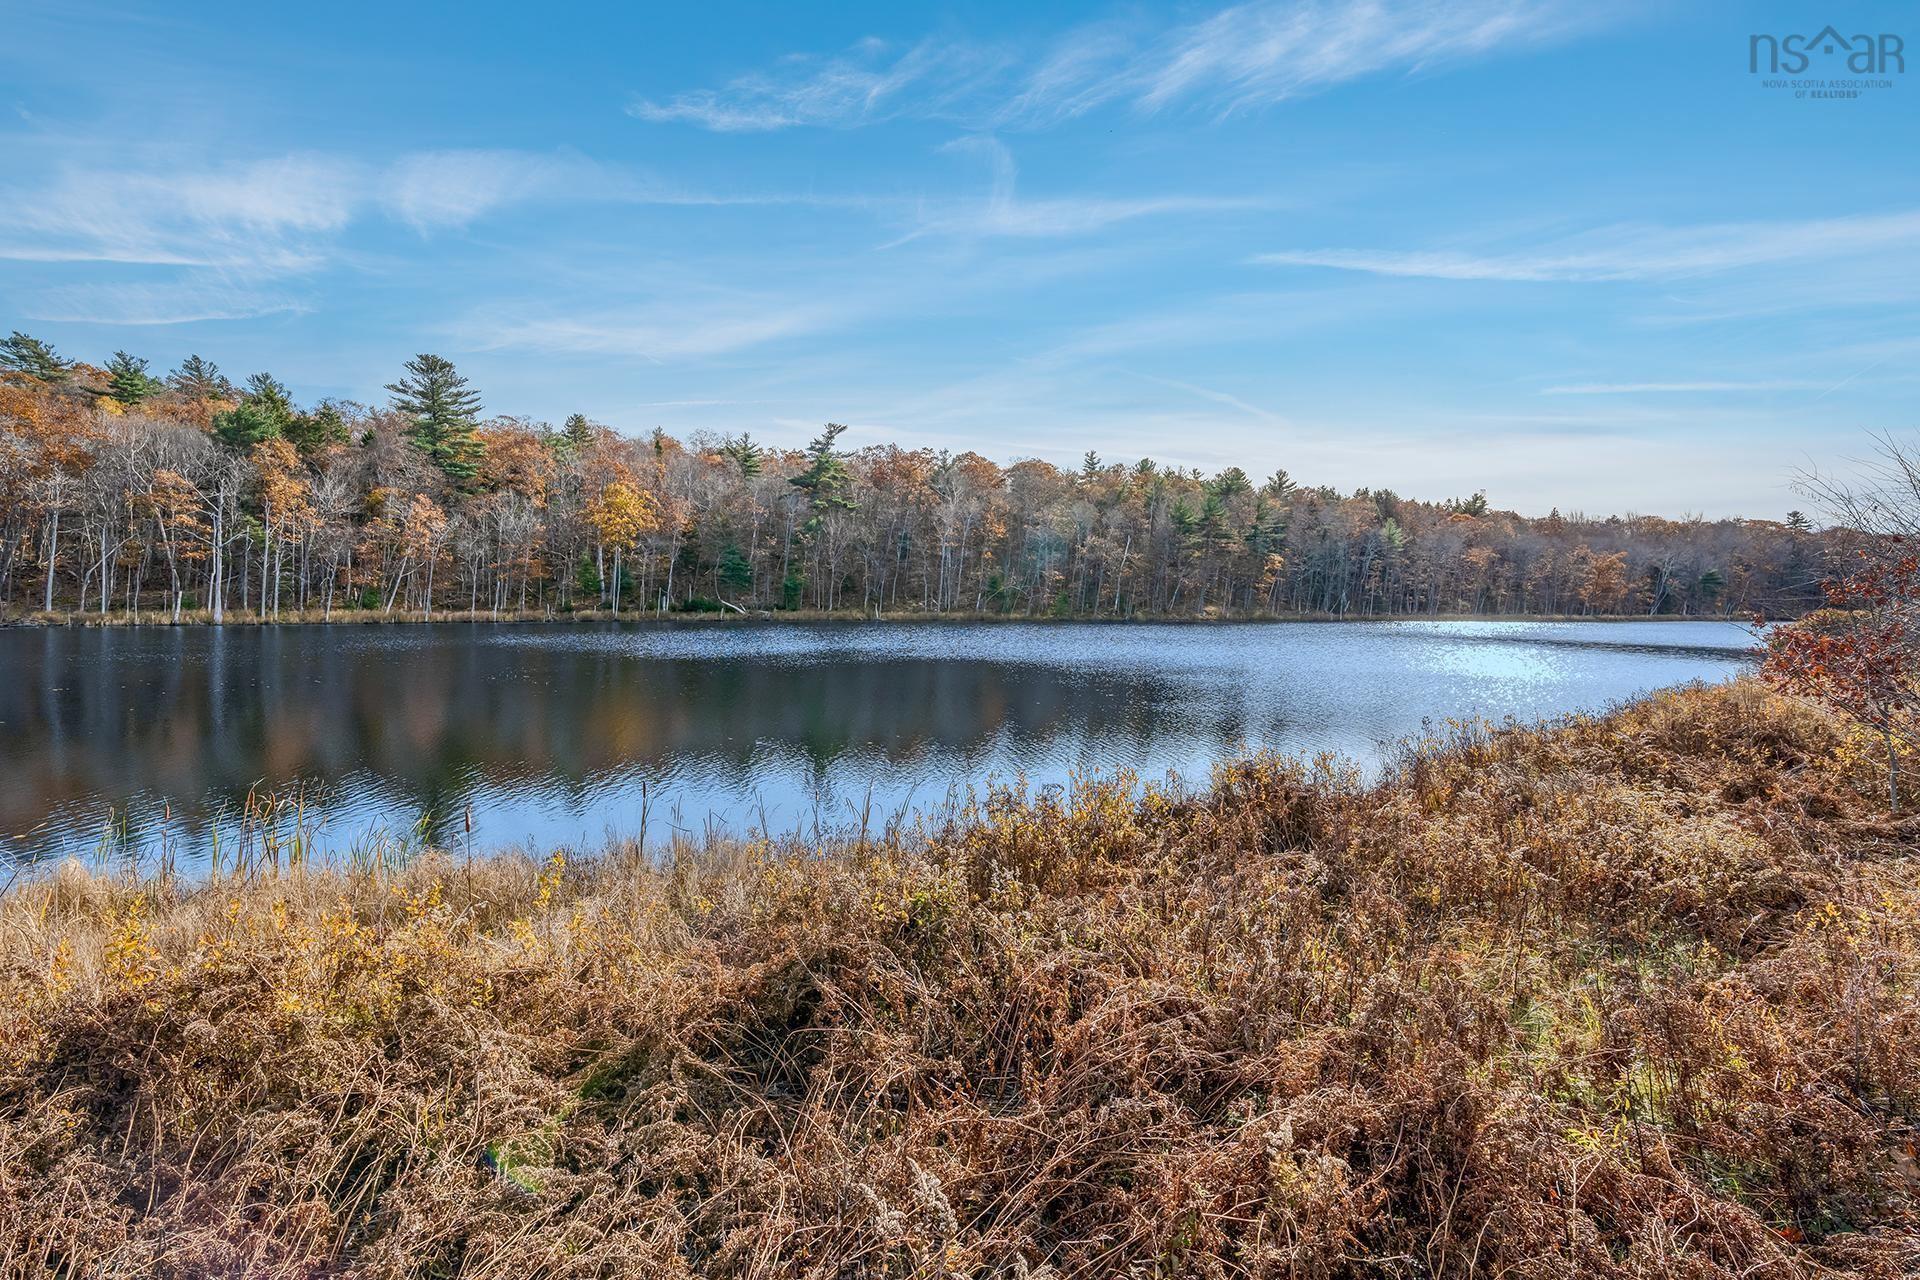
1632,996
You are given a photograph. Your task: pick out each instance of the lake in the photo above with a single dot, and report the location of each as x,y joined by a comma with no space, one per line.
118,741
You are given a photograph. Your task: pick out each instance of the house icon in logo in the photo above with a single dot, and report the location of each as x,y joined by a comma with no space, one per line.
1827,39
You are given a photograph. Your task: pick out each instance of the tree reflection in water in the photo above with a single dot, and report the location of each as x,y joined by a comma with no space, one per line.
553,734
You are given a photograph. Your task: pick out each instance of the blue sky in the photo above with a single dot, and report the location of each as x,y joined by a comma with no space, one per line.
1574,254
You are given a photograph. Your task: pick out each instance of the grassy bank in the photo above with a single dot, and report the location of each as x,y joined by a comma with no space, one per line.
376,617
1637,995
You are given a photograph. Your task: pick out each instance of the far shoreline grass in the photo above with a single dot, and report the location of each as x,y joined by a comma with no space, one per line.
1630,995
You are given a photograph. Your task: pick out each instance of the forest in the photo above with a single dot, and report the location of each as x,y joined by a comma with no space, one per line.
186,497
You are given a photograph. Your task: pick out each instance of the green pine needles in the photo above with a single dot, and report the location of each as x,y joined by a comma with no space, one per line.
445,413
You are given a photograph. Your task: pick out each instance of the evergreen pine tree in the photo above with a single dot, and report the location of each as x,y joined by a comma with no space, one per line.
200,380
245,425
735,571
128,380
746,455
35,358
1279,485
312,432
264,412
577,433
269,393
1230,483
1268,532
1215,525
1186,522
445,413
826,481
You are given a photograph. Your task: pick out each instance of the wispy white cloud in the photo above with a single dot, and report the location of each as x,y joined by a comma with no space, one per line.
683,328
155,304
694,404
1675,388
1241,58
1214,321
1002,211
430,189
1074,215
1074,76
932,78
1632,252
225,234
1254,55
283,215
259,216
1218,397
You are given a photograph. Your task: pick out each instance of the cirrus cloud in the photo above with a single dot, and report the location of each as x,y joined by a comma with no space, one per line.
1238,59
1631,252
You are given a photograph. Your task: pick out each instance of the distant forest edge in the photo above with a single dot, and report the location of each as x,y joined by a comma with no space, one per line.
189,496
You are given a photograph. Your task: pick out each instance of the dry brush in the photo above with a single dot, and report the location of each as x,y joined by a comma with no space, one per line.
1625,996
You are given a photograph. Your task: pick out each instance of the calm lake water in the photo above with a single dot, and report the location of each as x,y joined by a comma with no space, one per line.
125,740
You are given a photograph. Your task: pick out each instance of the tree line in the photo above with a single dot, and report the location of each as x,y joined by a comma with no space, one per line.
122,490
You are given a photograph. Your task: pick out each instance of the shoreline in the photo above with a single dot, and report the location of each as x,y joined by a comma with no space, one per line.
761,618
